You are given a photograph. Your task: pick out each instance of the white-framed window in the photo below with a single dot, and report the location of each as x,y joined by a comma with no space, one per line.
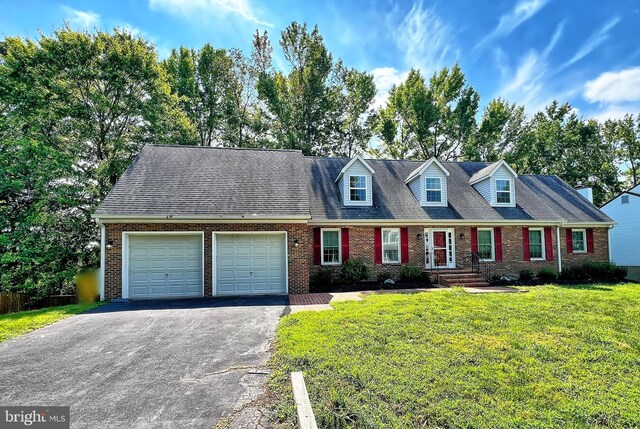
536,244
579,240
357,188
433,189
486,245
503,191
331,246
390,245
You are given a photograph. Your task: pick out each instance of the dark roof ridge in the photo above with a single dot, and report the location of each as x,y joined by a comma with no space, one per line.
256,149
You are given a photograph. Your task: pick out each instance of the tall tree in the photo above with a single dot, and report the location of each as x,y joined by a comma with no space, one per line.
627,136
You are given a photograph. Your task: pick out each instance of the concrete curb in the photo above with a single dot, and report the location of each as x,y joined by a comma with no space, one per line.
306,419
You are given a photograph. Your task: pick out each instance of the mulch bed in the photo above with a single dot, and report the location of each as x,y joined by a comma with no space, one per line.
343,287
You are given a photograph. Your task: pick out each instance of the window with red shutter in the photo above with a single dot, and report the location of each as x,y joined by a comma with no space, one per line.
498,243
404,245
345,245
525,244
377,245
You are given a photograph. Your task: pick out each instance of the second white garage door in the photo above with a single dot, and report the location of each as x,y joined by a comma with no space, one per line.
250,264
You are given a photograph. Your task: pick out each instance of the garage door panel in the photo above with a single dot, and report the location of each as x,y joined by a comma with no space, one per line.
250,264
165,266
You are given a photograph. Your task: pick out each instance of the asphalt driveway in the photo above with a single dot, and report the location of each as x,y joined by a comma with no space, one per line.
162,364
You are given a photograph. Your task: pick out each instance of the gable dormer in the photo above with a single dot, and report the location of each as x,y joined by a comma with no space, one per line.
355,183
428,183
497,184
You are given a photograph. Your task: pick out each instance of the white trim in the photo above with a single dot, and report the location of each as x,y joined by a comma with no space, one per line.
495,168
559,249
609,242
494,193
418,171
584,240
350,163
429,251
103,258
213,256
399,261
440,203
322,262
349,188
123,218
441,222
492,233
542,242
125,254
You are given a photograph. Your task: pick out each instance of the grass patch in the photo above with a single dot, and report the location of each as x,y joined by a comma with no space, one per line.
15,324
556,357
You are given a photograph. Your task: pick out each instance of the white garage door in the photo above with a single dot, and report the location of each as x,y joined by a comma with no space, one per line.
250,264
162,266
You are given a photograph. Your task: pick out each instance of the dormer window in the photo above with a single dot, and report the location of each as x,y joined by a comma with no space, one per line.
357,188
503,191
433,189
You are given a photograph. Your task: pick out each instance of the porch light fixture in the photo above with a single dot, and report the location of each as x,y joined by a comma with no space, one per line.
462,236
296,243
418,236
109,244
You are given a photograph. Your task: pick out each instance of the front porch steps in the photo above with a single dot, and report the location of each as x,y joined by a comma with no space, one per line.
461,277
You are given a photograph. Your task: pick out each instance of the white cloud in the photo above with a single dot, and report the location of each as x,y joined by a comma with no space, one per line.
596,39
197,9
614,87
425,39
523,10
385,78
134,31
526,85
613,112
81,18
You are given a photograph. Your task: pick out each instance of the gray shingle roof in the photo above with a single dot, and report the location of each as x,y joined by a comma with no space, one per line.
202,181
216,182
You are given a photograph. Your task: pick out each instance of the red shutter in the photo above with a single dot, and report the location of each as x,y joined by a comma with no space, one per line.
590,240
497,238
525,243
569,240
316,246
548,243
345,244
377,245
404,245
474,239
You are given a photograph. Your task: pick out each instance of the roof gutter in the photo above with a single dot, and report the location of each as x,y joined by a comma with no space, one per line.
124,218
483,222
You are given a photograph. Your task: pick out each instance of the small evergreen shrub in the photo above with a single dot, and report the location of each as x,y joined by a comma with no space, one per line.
594,272
547,275
410,273
525,275
380,278
355,271
321,281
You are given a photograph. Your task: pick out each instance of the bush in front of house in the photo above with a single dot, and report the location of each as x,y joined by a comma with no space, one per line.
321,281
594,272
547,275
525,275
354,271
385,275
410,273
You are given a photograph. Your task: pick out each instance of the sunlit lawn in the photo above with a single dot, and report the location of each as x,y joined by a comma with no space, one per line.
553,357
14,324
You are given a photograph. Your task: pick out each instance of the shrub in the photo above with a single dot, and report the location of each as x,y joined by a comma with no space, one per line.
525,275
321,281
594,271
574,275
384,276
410,273
354,271
547,275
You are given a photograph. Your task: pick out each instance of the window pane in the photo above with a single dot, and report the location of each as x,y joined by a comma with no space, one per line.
502,185
434,196
485,247
433,183
330,247
330,238
578,241
390,236
390,245
535,243
391,256
358,195
357,181
503,197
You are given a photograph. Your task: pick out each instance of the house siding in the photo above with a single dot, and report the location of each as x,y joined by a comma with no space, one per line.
298,257
484,188
434,171
416,189
356,169
503,173
625,235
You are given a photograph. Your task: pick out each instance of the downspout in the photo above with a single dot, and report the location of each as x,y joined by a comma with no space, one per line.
609,242
103,258
559,249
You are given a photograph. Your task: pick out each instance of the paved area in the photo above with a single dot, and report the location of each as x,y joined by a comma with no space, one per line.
161,364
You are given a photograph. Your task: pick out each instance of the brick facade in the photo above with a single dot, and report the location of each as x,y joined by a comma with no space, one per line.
361,240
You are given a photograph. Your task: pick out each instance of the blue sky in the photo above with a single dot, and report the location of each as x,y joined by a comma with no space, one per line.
527,51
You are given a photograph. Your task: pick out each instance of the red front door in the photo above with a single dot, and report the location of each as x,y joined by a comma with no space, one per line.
440,248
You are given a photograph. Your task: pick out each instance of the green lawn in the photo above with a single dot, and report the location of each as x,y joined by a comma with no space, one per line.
14,324
563,357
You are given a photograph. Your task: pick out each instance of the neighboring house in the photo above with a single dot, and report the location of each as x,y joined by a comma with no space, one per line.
193,221
625,235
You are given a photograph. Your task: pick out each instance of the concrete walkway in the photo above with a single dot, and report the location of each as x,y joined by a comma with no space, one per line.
322,301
